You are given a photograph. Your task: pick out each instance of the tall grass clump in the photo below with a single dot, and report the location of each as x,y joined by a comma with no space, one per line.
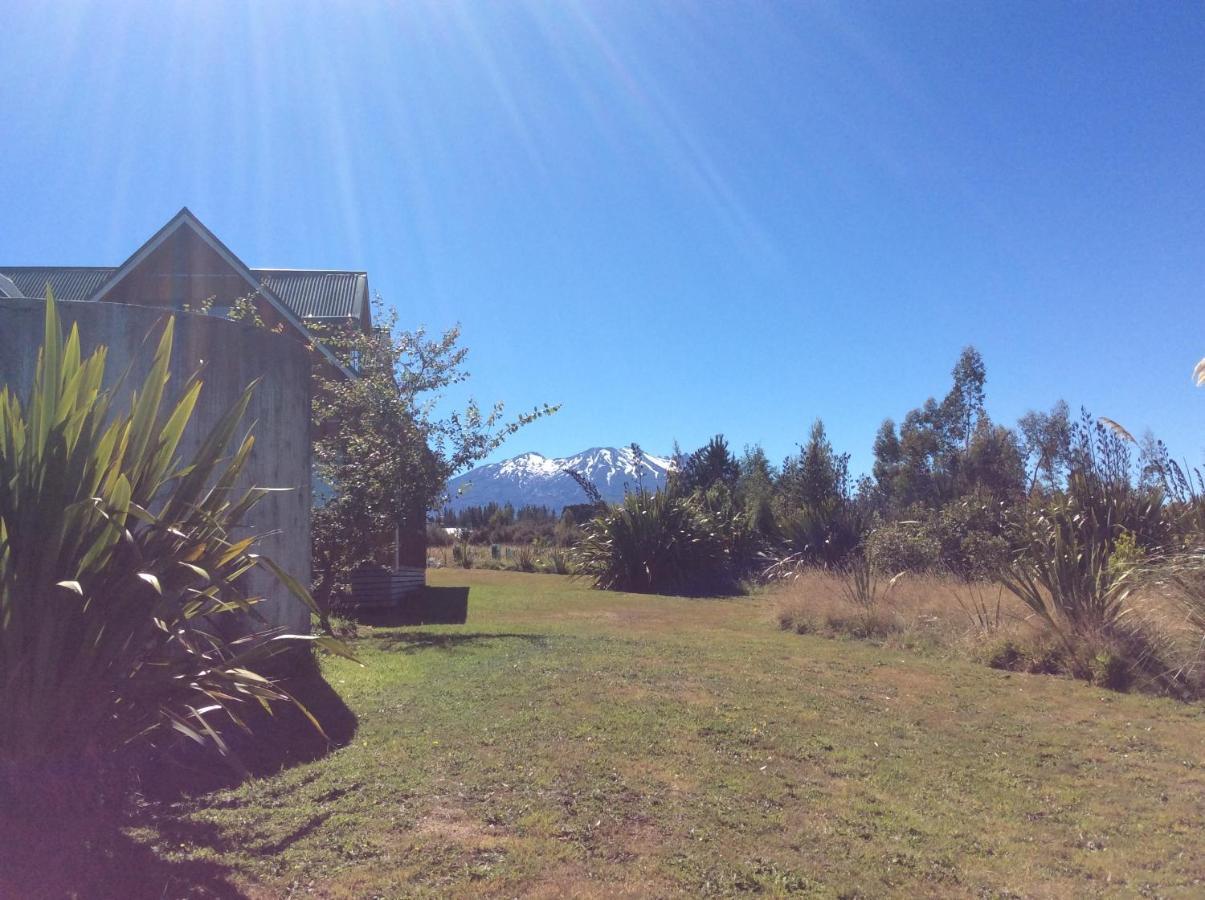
1169,596
656,543
119,563
1074,550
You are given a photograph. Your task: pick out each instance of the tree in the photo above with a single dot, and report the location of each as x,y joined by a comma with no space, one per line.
710,465
818,476
963,406
1046,443
993,466
755,491
381,447
921,465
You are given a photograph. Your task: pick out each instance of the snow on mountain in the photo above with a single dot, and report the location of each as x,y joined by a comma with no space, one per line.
537,480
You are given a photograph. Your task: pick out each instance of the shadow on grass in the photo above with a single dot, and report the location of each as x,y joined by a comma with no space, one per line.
276,741
88,856
416,641
432,606
88,851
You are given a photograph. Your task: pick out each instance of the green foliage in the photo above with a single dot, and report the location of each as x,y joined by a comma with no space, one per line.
825,534
818,478
119,564
908,545
504,524
657,543
244,309
946,450
380,446
1064,567
1126,556
1046,444
755,493
967,538
708,466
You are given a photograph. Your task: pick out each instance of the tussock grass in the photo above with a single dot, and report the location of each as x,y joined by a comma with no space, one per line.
1156,644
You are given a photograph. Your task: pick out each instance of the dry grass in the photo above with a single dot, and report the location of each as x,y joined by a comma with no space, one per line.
1159,648
511,557
945,611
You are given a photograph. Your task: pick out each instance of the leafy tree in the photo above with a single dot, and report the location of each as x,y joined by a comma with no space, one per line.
993,464
816,516
1046,444
963,406
920,466
381,446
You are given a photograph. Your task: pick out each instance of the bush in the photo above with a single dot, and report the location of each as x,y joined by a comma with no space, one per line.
906,546
656,543
525,559
967,538
558,561
118,567
824,534
1065,545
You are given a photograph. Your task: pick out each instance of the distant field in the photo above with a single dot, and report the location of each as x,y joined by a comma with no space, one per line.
566,742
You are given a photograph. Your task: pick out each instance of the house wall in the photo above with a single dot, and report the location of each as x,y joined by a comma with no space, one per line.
233,355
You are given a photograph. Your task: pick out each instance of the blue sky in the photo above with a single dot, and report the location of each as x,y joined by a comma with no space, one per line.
672,218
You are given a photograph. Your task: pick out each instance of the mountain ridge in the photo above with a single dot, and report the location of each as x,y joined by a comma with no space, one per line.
532,479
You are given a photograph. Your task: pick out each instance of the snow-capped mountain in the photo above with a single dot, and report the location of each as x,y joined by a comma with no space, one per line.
537,480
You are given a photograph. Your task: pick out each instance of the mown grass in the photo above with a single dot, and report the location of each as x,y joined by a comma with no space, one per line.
567,742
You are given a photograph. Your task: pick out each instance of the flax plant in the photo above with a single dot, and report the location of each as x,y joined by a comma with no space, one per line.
119,562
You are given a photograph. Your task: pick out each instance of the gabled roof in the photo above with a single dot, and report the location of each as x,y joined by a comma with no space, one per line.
309,293
294,294
185,219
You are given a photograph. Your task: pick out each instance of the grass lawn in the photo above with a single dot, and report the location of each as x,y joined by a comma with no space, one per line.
567,742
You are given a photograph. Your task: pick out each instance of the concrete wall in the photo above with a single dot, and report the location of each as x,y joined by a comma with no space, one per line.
234,355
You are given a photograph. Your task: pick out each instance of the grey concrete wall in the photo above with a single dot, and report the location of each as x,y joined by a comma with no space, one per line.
233,355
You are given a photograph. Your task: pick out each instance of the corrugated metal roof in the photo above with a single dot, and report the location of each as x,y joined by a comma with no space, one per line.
318,294
67,282
309,293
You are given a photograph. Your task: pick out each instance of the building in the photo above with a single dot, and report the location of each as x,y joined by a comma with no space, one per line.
185,267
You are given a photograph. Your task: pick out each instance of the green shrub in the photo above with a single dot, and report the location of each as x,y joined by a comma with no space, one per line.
1003,654
558,561
1062,567
823,534
1126,556
905,546
972,533
656,543
967,538
118,566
